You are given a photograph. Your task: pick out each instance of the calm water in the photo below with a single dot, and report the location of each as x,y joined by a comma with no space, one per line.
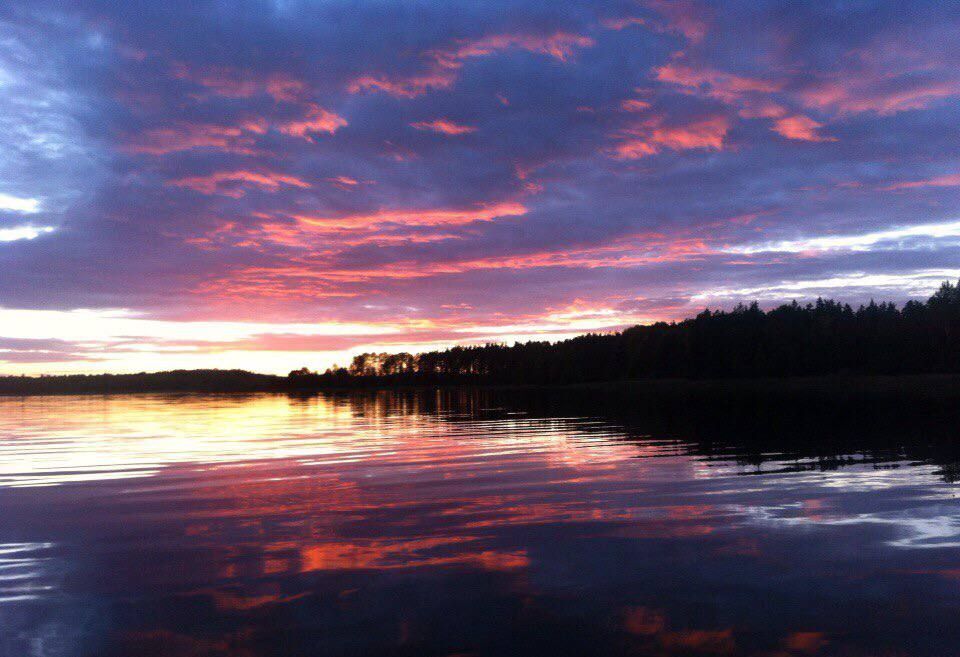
486,523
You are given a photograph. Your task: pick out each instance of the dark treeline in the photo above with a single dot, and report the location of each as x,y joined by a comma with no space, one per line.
821,338
173,381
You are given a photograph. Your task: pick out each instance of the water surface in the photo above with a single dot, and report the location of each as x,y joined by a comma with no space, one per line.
472,523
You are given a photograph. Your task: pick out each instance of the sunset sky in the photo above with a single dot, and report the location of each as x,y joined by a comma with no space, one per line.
274,184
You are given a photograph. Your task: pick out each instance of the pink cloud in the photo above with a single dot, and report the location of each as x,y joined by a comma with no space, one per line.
560,45
679,16
343,182
239,139
652,136
318,272
762,108
751,96
283,88
428,217
233,183
186,136
444,126
683,16
622,23
801,128
885,95
409,87
949,180
727,87
236,83
634,105
304,235
316,119
626,253
885,78
444,63
888,76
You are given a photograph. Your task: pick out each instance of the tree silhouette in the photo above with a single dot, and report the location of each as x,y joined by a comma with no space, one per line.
822,337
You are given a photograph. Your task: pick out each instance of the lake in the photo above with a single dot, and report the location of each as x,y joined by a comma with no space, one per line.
496,522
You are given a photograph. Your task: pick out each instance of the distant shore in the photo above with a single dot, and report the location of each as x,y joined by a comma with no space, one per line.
837,387
172,381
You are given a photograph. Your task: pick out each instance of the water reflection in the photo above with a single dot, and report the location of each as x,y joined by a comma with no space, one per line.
23,571
482,523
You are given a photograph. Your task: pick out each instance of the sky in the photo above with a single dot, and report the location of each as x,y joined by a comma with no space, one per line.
277,184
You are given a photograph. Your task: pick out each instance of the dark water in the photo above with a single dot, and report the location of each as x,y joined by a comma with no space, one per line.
485,523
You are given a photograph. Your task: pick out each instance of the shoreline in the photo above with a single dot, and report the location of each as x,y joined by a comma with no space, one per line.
837,387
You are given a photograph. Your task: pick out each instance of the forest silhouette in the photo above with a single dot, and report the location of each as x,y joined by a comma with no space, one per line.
818,338
824,337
